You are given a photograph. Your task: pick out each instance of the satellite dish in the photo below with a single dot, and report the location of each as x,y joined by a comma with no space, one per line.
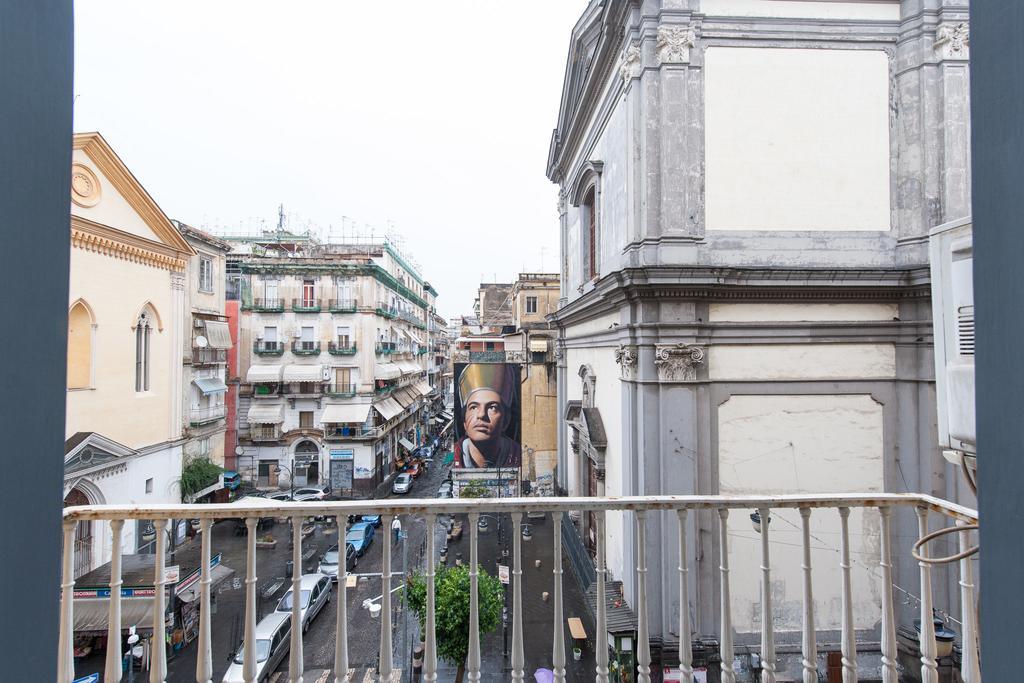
239,450
201,342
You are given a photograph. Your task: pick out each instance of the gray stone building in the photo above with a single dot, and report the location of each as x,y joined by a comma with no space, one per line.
746,190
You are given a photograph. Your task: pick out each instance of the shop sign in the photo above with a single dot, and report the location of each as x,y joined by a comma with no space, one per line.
193,576
105,592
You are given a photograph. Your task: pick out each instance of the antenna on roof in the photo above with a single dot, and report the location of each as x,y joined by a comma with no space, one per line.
280,218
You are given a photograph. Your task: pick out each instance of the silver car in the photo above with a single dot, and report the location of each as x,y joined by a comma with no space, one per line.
273,640
316,592
403,483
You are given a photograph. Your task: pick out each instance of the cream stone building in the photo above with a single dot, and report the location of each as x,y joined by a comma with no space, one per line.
125,334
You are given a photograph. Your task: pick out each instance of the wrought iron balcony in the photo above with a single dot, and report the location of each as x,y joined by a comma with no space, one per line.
350,432
295,389
675,517
268,305
199,416
209,356
383,348
386,311
262,389
306,348
341,348
306,305
341,390
343,305
260,432
268,348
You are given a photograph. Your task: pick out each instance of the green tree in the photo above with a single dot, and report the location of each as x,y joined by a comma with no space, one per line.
474,489
451,609
196,475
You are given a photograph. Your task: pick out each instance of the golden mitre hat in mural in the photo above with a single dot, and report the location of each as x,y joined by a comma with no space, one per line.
493,376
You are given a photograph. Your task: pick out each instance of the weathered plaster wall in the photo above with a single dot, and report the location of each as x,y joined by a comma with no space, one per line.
801,361
744,313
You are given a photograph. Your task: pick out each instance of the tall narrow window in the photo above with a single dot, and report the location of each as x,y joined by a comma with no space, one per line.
79,347
270,338
306,338
531,304
205,274
590,256
270,290
308,293
344,337
142,352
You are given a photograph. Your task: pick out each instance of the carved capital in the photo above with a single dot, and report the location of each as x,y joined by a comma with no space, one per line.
674,43
678,362
953,41
626,357
629,67
559,351
562,204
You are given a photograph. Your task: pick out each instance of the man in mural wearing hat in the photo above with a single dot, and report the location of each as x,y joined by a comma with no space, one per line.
487,393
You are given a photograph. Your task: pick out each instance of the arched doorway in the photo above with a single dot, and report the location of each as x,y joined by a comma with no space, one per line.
83,533
307,464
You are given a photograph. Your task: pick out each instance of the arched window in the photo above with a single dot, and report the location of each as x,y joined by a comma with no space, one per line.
143,331
590,238
80,325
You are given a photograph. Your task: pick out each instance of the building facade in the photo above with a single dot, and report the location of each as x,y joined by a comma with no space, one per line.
126,330
334,343
745,195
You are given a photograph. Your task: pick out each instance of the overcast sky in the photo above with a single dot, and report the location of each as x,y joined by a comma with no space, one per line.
432,116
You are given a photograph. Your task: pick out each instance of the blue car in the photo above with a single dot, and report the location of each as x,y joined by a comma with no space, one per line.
372,519
360,536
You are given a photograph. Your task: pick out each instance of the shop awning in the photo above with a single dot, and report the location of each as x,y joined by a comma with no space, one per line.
91,614
304,373
266,413
423,387
386,371
405,397
406,444
539,345
388,408
210,385
349,413
446,415
409,368
416,338
263,373
218,575
217,334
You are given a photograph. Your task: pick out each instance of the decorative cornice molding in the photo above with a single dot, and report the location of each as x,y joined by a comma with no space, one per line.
953,41
104,240
627,357
674,43
678,362
629,65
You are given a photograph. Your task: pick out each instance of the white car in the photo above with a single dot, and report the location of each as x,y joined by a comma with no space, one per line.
403,483
273,640
309,493
316,592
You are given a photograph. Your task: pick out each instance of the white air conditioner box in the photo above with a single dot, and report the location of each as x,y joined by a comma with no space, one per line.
952,265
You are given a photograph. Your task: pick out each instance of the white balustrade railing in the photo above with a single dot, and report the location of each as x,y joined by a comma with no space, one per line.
964,521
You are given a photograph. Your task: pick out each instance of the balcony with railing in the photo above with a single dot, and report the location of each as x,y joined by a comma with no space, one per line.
268,305
261,389
342,347
207,356
306,348
683,522
206,414
386,311
343,305
350,432
268,348
303,305
302,389
264,432
341,390
385,348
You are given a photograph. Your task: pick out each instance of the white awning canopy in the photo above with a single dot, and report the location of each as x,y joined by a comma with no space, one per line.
210,385
416,338
405,397
423,387
348,413
303,373
266,413
386,371
539,345
263,373
388,408
407,445
93,614
218,334
409,368
218,575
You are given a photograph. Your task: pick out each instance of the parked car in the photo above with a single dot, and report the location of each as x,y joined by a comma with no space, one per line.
310,493
372,519
445,490
402,483
315,591
273,640
415,469
329,561
360,536
280,495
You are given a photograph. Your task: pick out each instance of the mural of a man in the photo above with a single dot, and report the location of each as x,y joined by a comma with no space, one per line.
487,394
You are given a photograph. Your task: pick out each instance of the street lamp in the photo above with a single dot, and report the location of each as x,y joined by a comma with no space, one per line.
291,479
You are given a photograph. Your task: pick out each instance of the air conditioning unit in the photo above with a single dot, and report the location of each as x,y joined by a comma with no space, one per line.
327,374
952,266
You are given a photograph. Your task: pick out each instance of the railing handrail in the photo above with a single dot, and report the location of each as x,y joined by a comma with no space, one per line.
548,504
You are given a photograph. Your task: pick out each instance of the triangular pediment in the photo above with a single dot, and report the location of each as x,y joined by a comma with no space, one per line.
87,451
104,192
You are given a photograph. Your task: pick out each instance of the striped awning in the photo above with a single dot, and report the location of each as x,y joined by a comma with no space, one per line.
266,413
388,408
539,345
210,385
218,334
263,373
386,371
304,373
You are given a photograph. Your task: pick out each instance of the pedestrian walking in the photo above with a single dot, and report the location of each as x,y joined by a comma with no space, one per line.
396,526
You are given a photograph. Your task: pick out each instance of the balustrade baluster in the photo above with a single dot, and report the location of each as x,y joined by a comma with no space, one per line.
929,649
518,659
643,645
249,637
809,649
685,646
114,657
767,626
341,622
473,660
849,641
970,667
385,663
725,601
295,652
430,635
204,654
602,608
558,630
158,662
890,674
66,644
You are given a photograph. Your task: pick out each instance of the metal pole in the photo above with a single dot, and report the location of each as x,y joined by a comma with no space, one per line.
406,650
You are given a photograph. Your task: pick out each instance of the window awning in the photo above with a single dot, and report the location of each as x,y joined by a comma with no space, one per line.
92,614
266,413
264,373
210,385
539,345
304,373
423,387
446,415
218,575
405,397
349,413
218,334
408,368
406,444
388,408
415,337
386,371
